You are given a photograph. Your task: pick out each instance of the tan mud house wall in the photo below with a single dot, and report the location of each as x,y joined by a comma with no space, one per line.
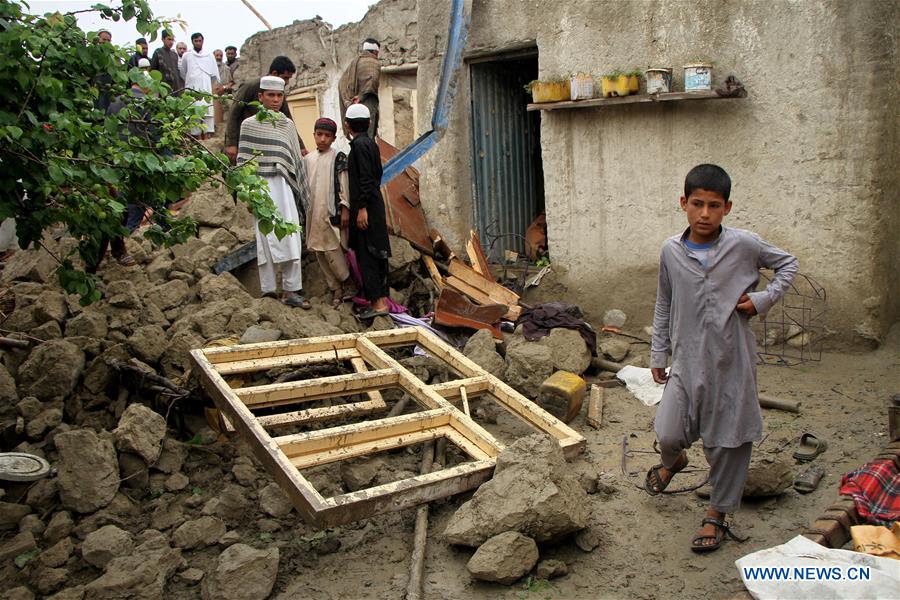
321,54
812,151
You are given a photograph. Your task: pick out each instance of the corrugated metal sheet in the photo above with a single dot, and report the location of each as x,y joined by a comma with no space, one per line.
506,153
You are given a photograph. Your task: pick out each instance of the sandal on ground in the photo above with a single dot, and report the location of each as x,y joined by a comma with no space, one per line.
808,480
371,313
297,301
810,447
659,486
126,260
722,529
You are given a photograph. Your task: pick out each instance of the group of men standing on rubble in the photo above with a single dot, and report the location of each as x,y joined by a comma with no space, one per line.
336,197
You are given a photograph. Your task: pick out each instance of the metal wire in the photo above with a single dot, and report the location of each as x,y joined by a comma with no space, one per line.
792,331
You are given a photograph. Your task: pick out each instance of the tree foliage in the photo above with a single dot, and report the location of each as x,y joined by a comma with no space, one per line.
64,161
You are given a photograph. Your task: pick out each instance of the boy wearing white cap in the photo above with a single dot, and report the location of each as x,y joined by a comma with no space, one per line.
276,150
368,223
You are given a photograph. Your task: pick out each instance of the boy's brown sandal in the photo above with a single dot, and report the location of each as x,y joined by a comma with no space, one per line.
722,529
658,486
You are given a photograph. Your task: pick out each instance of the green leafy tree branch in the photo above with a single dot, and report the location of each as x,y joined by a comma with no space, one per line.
64,161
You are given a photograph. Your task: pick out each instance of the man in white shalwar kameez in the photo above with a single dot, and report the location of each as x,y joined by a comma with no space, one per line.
276,150
199,69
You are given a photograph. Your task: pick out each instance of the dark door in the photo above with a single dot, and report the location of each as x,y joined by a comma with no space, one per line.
509,180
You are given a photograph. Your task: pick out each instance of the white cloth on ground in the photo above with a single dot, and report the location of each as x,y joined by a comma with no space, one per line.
640,383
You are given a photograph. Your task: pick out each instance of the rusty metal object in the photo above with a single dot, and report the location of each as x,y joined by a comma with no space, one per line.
405,217
455,310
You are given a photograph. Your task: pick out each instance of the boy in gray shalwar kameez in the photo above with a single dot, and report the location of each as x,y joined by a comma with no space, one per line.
704,304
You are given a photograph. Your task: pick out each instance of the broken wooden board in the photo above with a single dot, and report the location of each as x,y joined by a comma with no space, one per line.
476,256
405,217
455,310
481,297
494,290
284,456
433,272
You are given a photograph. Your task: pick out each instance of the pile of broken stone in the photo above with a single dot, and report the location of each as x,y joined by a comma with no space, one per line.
137,507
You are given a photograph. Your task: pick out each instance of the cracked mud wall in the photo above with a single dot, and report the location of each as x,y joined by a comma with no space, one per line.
812,151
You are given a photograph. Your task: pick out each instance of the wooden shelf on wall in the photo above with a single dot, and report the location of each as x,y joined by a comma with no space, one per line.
634,99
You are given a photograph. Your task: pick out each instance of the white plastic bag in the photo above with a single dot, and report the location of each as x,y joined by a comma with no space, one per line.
640,383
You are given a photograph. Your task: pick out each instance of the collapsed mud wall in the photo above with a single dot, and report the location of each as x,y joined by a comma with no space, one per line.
812,151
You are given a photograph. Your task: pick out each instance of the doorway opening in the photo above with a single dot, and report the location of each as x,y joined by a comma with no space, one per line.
506,148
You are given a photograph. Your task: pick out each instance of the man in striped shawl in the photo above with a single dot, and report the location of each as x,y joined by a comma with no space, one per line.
275,148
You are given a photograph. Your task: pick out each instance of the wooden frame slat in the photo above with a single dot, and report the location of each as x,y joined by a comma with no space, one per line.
276,394
290,360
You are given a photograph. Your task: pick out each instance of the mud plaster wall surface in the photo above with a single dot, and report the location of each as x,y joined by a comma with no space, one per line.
812,151
321,53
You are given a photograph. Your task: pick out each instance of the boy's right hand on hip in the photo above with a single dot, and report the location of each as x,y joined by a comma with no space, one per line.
659,375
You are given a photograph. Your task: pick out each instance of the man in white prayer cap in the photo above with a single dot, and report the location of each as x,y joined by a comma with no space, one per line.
275,147
359,84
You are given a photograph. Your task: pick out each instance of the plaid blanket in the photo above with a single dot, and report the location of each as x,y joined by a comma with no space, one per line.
276,149
875,489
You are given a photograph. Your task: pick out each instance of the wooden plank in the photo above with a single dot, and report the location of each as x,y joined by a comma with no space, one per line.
277,394
311,442
405,493
280,348
633,99
433,272
476,256
360,366
451,390
457,361
465,400
494,290
327,413
308,502
475,433
290,360
482,298
391,338
467,446
331,455
595,407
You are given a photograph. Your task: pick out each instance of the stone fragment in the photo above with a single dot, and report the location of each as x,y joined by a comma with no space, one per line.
274,502
213,288
504,558
768,476
242,573
171,294
167,515
198,533
70,593
18,593
171,458
482,350
614,318
133,471
19,544
587,539
256,334
615,349
59,527
48,331
140,576
141,431
360,474
8,393
105,544
550,568
568,350
57,554
11,513
44,421
207,208
123,294
33,524
245,473
90,324
47,580
31,265
148,343
191,576
29,407
528,364
232,503
88,470
177,482
52,370
533,491
49,306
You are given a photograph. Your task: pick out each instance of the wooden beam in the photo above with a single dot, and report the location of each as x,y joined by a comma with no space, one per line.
481,297
476,256
366,448
327,413
595,407
451,390
277,394
280,348
476,434
433,272
291,360
312,442
466,445
465,400
391,338
405,493
500,294
412,385
457,361
360,366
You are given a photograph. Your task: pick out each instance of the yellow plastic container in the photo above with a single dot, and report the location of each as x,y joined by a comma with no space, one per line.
614,86
554,91
634,84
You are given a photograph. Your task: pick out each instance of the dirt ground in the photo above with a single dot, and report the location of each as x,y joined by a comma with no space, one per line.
645,540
